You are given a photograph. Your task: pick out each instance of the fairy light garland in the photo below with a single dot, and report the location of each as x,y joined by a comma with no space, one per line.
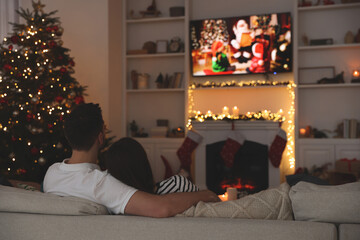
233,83
289,120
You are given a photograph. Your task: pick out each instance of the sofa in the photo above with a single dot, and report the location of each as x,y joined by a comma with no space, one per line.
319,212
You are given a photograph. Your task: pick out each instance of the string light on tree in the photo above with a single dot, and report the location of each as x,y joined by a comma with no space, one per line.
31,59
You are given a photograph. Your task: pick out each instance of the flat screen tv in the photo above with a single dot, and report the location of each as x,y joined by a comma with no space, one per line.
241,45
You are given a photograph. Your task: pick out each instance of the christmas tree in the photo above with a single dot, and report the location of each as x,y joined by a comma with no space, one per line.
213,30
37,91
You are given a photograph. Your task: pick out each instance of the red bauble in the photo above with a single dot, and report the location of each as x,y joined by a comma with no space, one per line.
34,151
59,99
43,46
7,67
61,117
60,57
11,47
13,138
63,70
14,39
72,63
79,99
49,29
29,117
52,44
55,28
2,100
50,126
41,87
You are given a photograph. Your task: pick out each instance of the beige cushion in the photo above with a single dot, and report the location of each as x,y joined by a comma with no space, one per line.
337,204
20,200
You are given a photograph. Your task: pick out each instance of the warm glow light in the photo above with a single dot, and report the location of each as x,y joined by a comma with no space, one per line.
356,73
223,197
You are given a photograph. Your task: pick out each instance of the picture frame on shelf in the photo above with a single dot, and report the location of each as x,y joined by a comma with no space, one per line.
161,46
312,74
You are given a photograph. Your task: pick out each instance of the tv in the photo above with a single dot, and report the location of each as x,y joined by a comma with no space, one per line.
241,45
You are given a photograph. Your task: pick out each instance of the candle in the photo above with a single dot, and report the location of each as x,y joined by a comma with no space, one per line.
232,193
302,132
356,73
225,110
235,112
223,197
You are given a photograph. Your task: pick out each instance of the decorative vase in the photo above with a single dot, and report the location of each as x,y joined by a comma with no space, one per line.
349,37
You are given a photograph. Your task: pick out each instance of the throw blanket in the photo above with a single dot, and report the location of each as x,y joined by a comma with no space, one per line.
268,204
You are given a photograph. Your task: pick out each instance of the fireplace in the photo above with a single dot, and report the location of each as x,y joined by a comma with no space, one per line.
251,171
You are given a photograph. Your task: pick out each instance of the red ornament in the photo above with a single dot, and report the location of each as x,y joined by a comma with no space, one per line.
61,117
11,47
49,29
55,28
14,39
52,44
59,99
34,151
63,70
29,117
43,46
13,138
60,57
41,87
3,100
20,171
79,99
50,126
7,67
72,63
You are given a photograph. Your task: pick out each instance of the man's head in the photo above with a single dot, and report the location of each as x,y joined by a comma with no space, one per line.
84,126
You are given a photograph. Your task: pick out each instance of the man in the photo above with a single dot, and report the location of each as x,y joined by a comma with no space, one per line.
80,176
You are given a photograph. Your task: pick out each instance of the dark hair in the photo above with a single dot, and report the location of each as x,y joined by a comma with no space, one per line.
127,161
83,126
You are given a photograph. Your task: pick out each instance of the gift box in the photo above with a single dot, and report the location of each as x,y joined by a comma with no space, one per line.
345,165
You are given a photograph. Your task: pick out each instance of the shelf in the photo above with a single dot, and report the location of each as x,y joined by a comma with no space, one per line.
155,19
236,88
326,47
328,141
329,7
334,85
155,55
155,90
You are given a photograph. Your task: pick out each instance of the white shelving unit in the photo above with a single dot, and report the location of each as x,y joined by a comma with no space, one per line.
324,106
145,106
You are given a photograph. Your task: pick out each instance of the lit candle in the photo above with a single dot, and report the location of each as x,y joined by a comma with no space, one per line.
356,74
302,132
225,110
235,112
223,197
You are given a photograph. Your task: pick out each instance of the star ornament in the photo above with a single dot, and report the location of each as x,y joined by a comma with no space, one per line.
38,6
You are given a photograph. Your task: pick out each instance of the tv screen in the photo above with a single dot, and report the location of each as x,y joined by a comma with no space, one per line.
241,45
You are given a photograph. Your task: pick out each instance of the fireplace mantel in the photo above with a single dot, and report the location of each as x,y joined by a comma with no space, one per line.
214,131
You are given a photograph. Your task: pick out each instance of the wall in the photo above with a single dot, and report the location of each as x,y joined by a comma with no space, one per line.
86,34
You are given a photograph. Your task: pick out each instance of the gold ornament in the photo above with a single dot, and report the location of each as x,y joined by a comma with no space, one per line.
38,6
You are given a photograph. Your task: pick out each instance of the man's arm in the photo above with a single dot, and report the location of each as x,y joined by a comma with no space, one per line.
168,205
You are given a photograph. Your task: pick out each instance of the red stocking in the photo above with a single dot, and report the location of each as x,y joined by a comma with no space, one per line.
277,148
191,141
233,143
168,169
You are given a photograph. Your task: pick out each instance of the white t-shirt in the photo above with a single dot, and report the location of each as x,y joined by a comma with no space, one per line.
86,180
